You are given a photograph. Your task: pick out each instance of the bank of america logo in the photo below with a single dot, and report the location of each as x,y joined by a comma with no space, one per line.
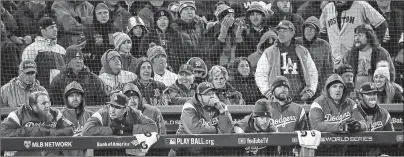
27,144
241,141
171,141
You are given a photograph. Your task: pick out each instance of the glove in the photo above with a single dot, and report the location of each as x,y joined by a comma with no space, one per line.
354,126
306,95
121,129
240,27
224,27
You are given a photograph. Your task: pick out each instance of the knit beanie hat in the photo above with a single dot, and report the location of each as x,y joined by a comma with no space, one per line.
256,6
343,69
184,4
139,64
163,12
262,108
222,10
155,50
382,71
72,52
279,81
101,6
119,38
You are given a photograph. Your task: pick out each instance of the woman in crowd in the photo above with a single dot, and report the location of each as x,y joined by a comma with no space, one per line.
243,80
219,76
137,31
163,35
389,92
99,37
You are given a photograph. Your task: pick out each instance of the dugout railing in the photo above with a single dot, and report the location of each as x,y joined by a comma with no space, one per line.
172,114
390,142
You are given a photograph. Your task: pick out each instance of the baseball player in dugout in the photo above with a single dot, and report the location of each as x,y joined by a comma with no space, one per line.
260,121
204,114
338,21
35,119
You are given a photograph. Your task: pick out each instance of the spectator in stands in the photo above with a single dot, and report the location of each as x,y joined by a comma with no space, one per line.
75,112
35,119
320,50
196,117
334,112
283,11
338,21
243,80
15,93
114,77
259,121
46,52
72,16
290,59
99,37
123,44
200,69
267,40
10,24
184,87
253,29
137,31
158,56
9,57
75,70
27,17
163,35
346,73
119,15
152,90
190,29
389,92
364,55
118,119
136,102
310,8
221,39
227,94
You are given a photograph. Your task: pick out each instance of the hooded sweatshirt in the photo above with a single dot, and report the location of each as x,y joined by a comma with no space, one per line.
152,92
320,51
15,93
78,116
114,81
326,115
150,111
178,94
279,15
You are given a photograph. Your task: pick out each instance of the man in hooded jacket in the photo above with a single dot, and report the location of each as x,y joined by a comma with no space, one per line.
334,112
136,102
75,112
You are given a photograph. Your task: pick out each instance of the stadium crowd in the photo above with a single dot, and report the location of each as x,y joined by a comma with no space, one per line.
344,58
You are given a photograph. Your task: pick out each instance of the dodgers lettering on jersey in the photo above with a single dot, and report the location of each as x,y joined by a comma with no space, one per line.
283,121
338,118
341,40
376,125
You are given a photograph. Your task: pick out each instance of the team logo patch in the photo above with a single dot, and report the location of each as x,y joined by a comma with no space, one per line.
27,144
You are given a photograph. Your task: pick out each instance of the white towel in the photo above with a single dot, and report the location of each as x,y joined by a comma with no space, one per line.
145,141
310,140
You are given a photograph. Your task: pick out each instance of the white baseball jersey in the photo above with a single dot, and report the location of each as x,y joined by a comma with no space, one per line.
342,40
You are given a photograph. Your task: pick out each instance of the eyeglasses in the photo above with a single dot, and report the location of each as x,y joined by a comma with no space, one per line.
283,30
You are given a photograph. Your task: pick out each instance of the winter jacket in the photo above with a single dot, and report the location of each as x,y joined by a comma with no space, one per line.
251,38
27,19
72,16
113,81
229,95
289,117
320,51
377,120
15,93
78,116
391,93
24,122
190,35
269,66
245,85
178,94
248,126
378,54
326,116
99,123
10,59
198,119
137,47
266,40
92,85
128,63
309,8
395,21
150,111
279,15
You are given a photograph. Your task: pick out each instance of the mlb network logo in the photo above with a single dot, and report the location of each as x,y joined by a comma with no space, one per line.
27,144
171,141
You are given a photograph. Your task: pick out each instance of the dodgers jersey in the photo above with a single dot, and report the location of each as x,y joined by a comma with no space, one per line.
341,40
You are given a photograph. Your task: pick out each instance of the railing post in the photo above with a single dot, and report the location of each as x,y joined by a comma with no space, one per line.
90,152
